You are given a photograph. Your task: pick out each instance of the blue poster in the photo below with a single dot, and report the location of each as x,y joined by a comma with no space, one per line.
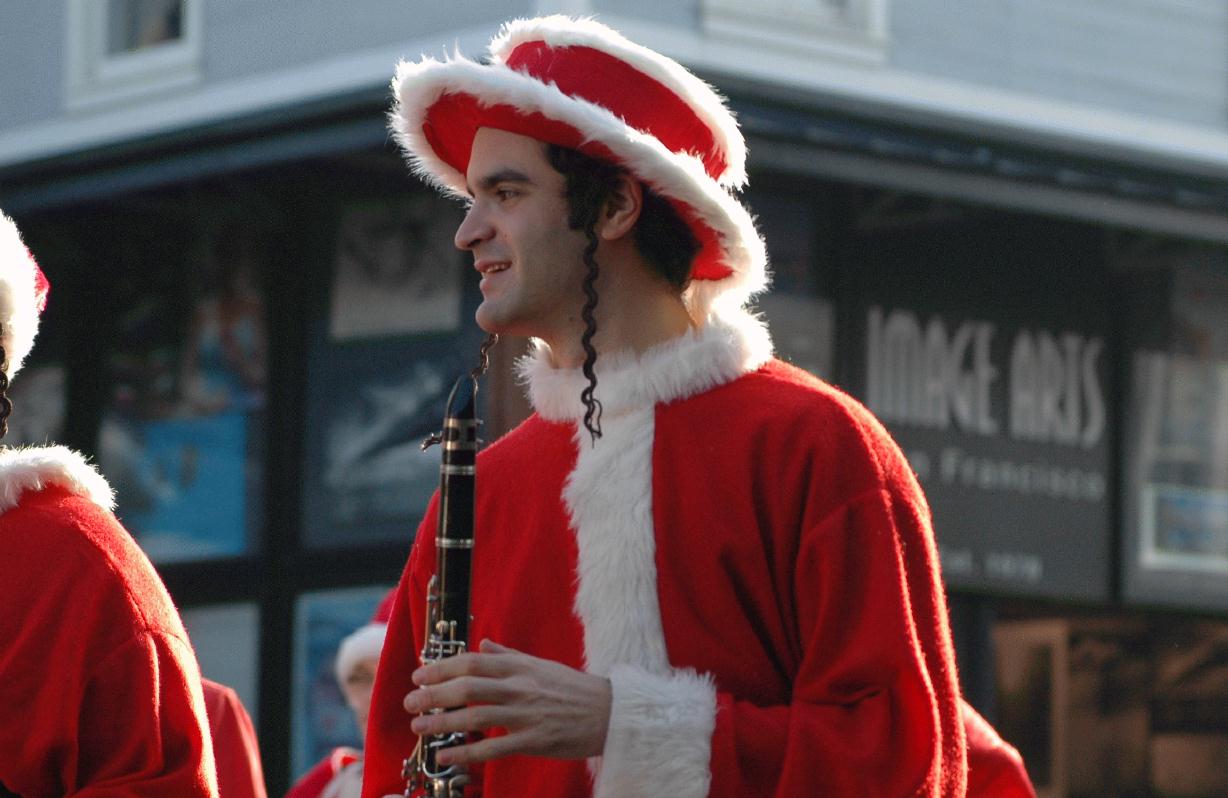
321,720
180,483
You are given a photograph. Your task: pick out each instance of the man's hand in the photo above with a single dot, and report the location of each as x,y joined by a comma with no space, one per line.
547,708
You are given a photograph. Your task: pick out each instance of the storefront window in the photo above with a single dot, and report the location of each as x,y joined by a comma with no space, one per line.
1177,449
226,639
322,720
991,372
397,337
182,436
799,314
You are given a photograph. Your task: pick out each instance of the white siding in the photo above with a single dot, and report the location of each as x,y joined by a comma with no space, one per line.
1162,58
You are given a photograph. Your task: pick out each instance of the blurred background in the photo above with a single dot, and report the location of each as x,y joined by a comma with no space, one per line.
1002,224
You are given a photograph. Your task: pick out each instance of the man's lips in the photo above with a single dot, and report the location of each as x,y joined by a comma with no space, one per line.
489,267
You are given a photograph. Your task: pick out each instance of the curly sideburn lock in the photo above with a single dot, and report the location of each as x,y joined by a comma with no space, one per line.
6,404
661,236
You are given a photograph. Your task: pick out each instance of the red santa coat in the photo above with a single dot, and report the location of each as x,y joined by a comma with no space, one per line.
325,779
240,773
99,689
745,554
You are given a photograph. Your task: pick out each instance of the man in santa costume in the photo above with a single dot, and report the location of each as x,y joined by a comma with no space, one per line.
697,571
100,694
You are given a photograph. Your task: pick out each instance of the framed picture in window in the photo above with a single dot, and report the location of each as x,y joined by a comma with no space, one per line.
321,720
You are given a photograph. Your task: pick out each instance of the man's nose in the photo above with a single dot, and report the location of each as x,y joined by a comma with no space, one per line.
473,229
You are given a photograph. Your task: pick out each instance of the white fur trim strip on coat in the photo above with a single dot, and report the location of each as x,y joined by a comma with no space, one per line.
661,721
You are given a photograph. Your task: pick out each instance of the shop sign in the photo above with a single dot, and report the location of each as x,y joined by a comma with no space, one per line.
1005,425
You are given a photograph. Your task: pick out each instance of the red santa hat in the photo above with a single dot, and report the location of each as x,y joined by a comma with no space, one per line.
23,295
365,642
580,84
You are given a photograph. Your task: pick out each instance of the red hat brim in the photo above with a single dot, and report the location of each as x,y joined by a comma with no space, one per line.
451,124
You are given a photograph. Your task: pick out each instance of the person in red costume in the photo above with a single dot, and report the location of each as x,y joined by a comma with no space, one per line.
339,775
240,773
100,693
697,570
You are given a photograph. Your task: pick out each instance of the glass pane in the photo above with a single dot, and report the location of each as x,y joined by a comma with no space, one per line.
226,638
181,439
321,719
1178,444
397,334
802,322
39,402
136,24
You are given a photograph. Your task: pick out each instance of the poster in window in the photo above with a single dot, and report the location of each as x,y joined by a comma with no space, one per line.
321,719
396,269
370,477
180,440
1177,449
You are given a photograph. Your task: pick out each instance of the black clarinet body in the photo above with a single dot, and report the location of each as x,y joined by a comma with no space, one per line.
447,605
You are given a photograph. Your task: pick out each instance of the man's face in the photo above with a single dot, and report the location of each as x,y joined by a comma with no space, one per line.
516,228
357,690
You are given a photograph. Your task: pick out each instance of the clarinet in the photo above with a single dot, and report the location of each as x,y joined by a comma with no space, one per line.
447,595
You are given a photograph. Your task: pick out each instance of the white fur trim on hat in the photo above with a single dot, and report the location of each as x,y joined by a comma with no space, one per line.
681,176
366,642
36,468
703,100
18,296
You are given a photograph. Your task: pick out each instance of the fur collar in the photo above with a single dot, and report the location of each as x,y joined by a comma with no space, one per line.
730,344
36,468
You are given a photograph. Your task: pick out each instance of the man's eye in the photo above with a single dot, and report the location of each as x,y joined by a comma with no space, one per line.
506,193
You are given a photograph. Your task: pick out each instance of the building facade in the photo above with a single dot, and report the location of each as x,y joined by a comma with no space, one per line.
1003,225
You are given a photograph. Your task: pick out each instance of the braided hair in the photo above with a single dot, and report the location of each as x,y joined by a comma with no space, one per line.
661,236
6,404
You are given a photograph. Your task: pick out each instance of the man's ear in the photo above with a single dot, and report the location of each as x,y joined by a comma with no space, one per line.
622,209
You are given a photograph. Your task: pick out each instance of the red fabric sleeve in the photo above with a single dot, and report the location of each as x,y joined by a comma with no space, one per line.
315,780
995,768
159,751
873,711
239,771
389,737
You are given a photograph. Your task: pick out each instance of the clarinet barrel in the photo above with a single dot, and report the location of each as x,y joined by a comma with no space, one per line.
447,604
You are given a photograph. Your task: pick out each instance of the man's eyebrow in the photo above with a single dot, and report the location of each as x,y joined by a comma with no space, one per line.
502,176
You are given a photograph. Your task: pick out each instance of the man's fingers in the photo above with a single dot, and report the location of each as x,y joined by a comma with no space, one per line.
468,664
484,750
478,718
459,692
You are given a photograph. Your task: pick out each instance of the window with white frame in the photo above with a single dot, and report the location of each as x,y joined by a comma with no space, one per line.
118,49
850,29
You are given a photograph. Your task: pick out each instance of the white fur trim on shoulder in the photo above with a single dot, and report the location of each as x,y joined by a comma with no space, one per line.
660,736
729,345
708,105
36,468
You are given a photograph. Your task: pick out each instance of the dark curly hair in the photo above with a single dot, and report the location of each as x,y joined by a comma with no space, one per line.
661,236
6,404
